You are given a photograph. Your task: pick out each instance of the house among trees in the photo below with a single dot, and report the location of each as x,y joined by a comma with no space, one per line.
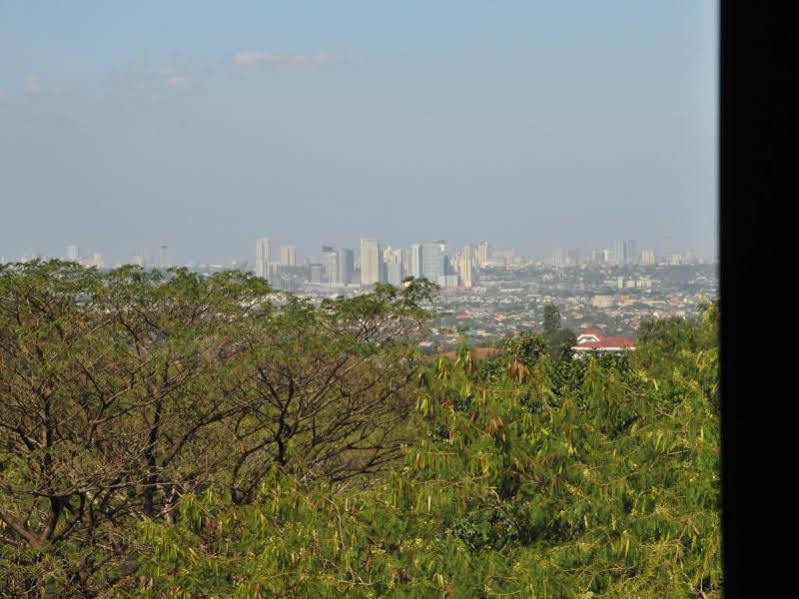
593,340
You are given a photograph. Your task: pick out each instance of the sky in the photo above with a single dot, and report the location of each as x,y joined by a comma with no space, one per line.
204,125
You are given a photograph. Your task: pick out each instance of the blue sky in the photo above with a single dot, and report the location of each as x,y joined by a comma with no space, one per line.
207,124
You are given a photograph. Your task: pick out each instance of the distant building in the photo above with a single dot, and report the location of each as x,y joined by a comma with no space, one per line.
557,257
331,267
73,254
394,266
589,341
617,253
415,265
346,261
597,256
434,260
288,255
483,253
316,273
263,256
447,281
573,257
602,301
647,258
465,267
371,262
630,252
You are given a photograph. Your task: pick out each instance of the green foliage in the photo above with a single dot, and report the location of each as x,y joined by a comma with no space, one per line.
559,341
176,436
547,479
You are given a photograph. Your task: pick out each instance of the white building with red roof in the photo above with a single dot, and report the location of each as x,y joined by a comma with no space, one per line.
594,340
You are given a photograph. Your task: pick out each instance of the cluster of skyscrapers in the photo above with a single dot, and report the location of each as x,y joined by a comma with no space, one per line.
382,264
620,253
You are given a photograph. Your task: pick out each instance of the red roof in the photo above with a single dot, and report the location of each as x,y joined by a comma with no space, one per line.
604,342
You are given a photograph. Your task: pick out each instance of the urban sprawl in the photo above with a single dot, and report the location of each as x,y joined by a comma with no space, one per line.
486,294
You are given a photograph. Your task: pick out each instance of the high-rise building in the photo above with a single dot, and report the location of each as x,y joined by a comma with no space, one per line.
434,261
630,252
331,267
648,258
394,273
415,264
617,253
394,266
465,267
73,254
557,257
263,257
573,257
346,261
316,273
371,262
288,255
483,253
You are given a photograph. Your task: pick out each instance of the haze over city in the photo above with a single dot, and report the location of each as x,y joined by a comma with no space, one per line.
207,125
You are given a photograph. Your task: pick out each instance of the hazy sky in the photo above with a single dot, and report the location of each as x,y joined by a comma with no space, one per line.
124,125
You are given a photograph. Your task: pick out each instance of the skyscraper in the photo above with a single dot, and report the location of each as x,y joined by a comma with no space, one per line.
331,267
648,258
316,273
73,254
465,267
415,265
630,252
371,262
483,253
394,266
618,253
288,255
433,261
346,261
557,257
263,256
573,257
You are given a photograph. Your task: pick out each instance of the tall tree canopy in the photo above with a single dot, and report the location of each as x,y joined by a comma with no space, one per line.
168,434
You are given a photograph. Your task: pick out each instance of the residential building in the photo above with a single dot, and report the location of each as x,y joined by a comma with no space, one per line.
346,261
263,257
331,267
630,252
557,257
288,255
589,341
648,258
415,265
394,266
483,253
434,261
371,262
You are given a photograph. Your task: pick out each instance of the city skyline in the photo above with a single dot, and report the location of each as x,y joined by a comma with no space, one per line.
523,125
270,253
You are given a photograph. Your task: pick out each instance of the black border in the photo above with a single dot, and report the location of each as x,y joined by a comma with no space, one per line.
757,186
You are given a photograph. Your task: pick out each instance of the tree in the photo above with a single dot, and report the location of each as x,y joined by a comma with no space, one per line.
122,392
326,390
559,340
552,320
